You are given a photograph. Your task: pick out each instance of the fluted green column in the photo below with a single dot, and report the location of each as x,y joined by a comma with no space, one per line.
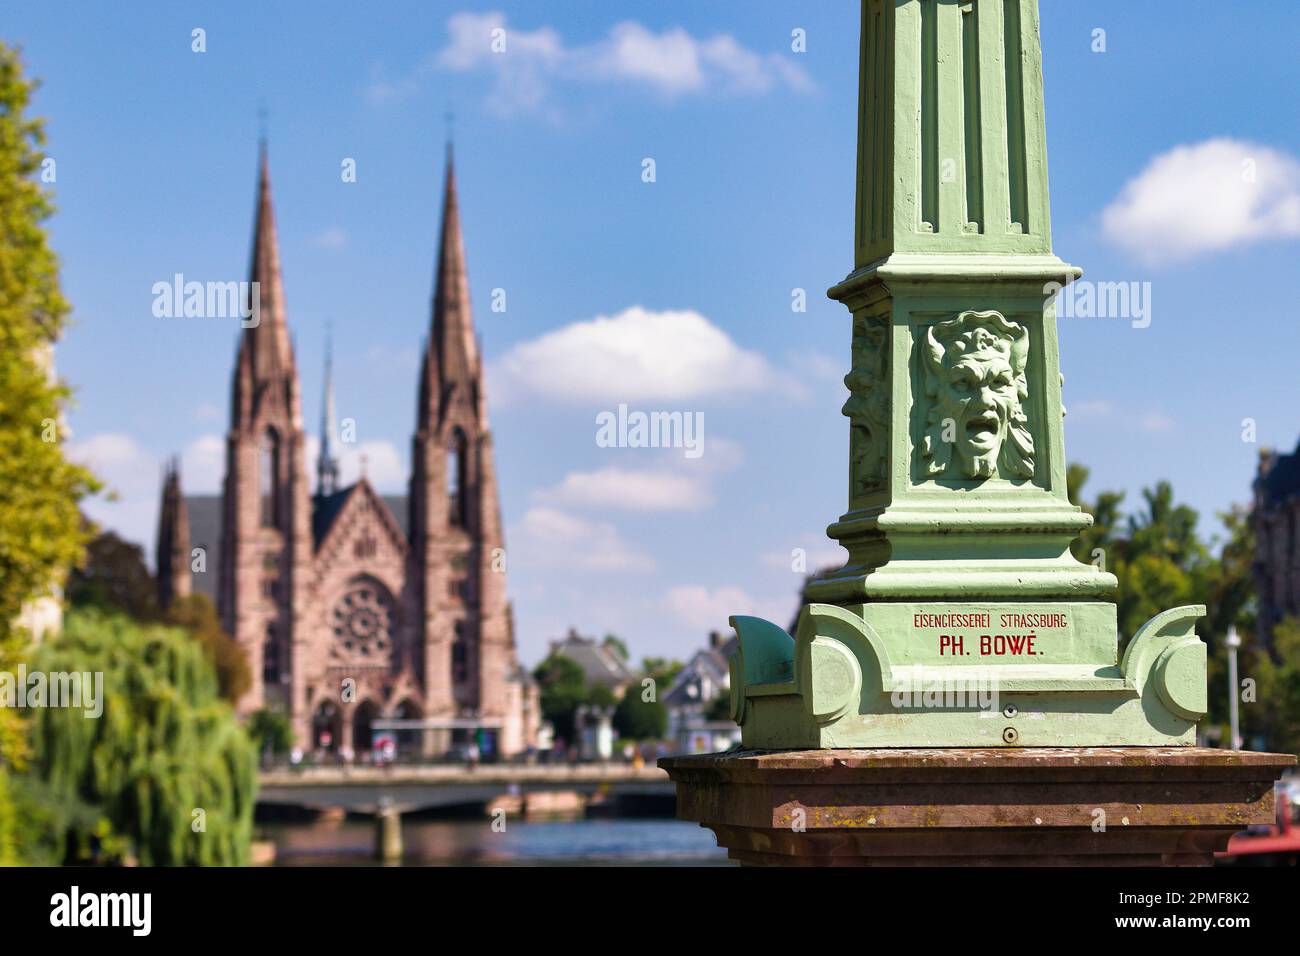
958,525
957,479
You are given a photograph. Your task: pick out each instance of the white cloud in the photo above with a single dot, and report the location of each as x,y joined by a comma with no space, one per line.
203,465
1085,411
708,610
818,554
118,460
636,355
381,91
1206,197
132,477
332,238
1155,422
629,489
384,467
719,455
471,42
554,540
671,63
1144,420
393,358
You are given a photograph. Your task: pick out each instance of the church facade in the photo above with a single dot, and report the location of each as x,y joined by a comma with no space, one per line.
366,619
1276,518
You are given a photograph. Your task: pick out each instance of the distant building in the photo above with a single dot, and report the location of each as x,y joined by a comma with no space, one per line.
172,557
601,661
705,677
1276,519
359,612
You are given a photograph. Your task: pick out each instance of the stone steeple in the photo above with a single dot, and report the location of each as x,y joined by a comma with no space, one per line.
266,547
267,340
172,557
451,362
327,465
455,525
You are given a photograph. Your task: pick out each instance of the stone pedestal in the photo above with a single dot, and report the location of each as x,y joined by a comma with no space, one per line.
1120,806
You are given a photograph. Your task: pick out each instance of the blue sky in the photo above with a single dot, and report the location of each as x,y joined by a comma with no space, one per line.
753,147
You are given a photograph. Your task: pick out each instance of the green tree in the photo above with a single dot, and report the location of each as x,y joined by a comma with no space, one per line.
196,614
1149,584
1276,710
166,765
1156,555
663,671
1227,586
41,533
614,643
8,823
270,731
639,719
1093,544
719,708
1161,561
1165,529
113,577
562,688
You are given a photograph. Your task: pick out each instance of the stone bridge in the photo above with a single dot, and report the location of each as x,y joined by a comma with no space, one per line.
403,789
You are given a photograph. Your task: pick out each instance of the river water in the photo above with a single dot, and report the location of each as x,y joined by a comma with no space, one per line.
618,842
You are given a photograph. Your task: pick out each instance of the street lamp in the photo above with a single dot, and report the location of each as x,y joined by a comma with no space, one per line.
1233,642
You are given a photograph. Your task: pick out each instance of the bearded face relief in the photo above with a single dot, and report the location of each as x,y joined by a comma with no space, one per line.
868,405
975,382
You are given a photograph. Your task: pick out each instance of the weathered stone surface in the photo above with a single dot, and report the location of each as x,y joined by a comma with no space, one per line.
1140,806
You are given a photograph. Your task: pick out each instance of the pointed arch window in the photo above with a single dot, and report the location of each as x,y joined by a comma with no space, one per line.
271,657
268,472
459,654
457,499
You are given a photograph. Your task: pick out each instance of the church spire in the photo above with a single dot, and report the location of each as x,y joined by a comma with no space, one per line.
452,358
266,333
327,466
173,553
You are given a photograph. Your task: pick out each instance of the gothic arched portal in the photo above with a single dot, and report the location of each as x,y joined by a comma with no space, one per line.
363,719
327,727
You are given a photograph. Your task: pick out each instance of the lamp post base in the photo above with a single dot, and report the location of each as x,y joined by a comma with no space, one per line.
1102,806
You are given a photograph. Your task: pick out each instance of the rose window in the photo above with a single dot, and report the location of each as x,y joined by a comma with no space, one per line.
361,623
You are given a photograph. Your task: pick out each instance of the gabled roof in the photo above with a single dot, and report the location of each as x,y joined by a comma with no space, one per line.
327,510
711,662
205,532
205,528
599,664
